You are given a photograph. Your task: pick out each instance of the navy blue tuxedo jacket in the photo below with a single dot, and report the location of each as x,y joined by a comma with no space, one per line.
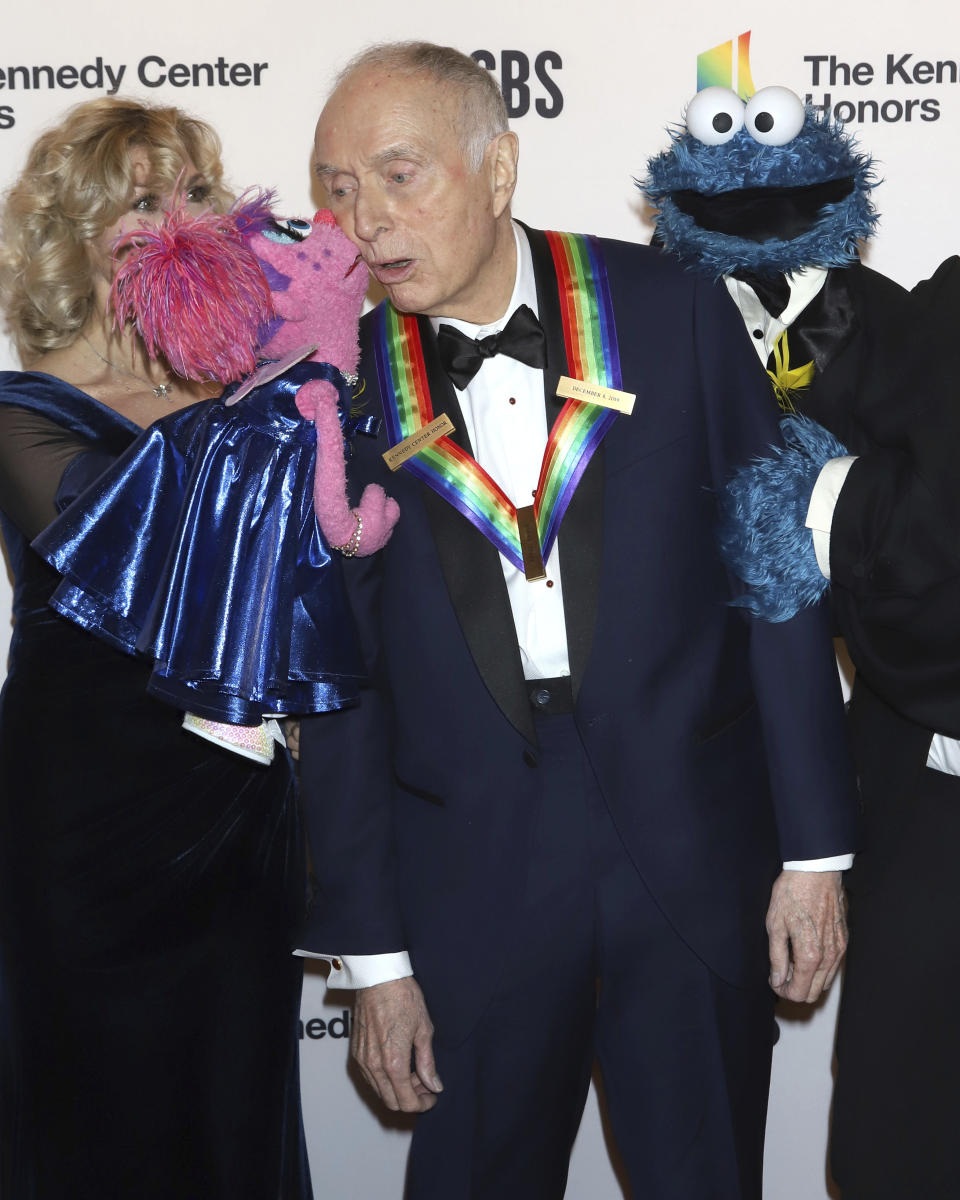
718,741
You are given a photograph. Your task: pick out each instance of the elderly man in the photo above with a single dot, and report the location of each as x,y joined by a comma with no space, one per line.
578,772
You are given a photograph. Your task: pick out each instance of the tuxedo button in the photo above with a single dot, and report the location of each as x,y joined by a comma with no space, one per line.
530,758
550,697
337,964
758,334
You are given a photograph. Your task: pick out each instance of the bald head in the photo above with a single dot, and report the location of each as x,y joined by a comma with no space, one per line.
479,113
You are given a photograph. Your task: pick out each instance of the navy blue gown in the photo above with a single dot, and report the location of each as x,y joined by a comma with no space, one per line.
150,885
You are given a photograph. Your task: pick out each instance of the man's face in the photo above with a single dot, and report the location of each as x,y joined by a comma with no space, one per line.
387,153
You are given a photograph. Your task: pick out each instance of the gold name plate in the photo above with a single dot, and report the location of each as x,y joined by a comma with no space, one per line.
397,455
593,393
533,567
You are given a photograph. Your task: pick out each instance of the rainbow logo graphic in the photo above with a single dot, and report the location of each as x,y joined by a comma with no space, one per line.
721,67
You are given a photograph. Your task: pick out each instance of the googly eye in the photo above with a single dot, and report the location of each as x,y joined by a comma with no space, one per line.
774,116
714,116
286,230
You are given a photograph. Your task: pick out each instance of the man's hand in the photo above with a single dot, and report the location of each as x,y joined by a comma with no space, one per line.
392,1041
807,926
291,731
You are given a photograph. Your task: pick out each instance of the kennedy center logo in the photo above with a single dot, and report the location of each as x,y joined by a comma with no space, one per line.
727,65
887,88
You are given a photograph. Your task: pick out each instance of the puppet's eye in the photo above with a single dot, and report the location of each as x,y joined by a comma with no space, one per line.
288,229
774,116
714,115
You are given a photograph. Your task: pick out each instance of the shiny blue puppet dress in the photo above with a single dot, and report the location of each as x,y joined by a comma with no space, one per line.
207,548
201,551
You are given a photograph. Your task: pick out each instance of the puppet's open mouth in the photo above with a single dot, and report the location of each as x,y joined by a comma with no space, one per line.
762,214
353,266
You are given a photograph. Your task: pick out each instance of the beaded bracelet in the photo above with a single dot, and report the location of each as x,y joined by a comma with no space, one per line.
349,549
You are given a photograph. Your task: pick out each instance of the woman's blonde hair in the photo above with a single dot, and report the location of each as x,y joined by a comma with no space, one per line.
78,180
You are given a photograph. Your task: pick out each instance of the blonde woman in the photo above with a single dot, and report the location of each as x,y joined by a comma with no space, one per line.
149,882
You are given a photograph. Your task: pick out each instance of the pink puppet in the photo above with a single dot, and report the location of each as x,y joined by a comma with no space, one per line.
317,283
222,519
366,528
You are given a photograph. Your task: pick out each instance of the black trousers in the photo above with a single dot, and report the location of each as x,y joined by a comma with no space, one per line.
896,1106
595,971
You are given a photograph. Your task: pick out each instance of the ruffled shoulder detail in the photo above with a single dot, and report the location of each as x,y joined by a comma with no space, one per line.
199,549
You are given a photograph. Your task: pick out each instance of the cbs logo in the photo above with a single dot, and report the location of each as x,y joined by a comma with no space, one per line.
523,82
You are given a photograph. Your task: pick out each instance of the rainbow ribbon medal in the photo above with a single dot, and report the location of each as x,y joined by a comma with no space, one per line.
524,537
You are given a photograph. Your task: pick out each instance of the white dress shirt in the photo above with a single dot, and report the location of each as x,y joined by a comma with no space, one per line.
763,328
506,422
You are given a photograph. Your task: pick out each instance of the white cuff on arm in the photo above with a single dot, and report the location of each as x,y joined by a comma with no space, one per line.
839,862
823,500
362,970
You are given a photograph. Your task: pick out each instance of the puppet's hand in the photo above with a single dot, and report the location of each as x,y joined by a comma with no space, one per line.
314,396
365,529
378,514
763,536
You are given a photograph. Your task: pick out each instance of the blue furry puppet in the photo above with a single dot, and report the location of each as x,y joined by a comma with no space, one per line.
763,188
774,200
763,532
769,198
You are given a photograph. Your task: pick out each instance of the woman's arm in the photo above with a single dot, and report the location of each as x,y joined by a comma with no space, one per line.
36,455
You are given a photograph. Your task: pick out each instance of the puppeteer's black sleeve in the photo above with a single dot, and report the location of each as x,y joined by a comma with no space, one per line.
895,538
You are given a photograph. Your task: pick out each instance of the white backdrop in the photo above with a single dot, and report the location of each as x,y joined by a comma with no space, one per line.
591,88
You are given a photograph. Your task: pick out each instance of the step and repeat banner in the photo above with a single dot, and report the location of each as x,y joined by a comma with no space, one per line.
590,90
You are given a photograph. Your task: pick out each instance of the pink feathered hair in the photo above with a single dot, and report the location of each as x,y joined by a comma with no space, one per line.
164,286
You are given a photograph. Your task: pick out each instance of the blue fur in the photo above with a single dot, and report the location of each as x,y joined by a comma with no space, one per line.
763,539
820,152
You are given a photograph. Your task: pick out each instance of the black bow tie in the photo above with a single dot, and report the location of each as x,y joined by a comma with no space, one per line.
772,291
521,338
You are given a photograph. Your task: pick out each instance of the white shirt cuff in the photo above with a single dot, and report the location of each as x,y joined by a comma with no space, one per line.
839,862
362,970
944,754
823,500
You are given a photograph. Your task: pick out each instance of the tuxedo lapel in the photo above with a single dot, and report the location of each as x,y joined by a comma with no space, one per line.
828,332
581,533
823,330
471,568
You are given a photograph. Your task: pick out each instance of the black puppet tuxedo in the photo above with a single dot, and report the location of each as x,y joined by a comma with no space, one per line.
717,741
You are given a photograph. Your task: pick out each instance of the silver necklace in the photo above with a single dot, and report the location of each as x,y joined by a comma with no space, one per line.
160,390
